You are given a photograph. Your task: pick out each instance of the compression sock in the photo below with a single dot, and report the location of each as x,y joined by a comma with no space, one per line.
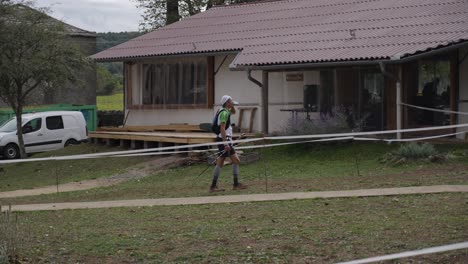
216,173
235,173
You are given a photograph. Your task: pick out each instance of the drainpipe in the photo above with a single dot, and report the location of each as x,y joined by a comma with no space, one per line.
397,79
264,95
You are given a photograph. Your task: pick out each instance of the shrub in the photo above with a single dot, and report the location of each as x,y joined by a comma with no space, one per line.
413,151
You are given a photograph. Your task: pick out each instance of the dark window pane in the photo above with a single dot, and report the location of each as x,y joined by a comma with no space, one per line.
54,122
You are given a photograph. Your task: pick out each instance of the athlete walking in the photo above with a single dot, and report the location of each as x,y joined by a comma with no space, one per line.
222,120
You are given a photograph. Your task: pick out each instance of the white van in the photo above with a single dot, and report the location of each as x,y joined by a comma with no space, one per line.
43,131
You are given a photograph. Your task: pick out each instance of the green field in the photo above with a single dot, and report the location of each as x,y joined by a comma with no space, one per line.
110,102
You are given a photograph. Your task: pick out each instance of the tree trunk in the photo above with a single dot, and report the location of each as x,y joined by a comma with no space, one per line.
172,11
19,130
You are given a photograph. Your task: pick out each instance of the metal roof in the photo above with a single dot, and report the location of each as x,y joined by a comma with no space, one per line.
307,31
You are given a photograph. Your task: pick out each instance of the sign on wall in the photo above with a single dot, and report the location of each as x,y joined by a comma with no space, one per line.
294,77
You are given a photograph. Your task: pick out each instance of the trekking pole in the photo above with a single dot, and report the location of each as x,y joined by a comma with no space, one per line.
214,162
222,152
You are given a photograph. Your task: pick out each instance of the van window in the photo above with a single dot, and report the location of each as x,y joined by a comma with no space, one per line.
10,125
32,126
54,122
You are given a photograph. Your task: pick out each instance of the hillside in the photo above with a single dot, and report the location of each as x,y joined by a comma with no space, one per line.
110,39
110,76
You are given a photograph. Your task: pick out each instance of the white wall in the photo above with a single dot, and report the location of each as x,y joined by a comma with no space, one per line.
463,88
236,84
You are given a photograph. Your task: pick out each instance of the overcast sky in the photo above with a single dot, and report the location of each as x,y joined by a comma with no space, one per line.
95,15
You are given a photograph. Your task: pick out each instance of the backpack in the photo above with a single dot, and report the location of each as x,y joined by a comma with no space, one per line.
215,127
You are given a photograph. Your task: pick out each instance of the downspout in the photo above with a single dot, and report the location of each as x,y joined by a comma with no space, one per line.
464,57
397,79
264,95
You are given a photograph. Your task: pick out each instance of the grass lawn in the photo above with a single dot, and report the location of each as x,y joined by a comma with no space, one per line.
110,102
310,167
300,231
36,174
297,231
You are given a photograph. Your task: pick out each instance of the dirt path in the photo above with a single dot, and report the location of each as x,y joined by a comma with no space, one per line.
242,198
139,171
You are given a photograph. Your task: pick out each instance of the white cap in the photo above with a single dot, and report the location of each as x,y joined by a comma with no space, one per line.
226,98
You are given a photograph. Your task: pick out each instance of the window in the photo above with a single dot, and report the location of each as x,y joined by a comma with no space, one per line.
32,126
175,82
433,91
54,122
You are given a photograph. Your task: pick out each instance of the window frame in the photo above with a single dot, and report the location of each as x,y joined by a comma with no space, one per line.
139,73
33,130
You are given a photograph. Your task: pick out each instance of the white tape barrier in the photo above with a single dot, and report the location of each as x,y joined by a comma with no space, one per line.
434,109
369,133
408,139
238,148
296,142
413,253
117,153
300,137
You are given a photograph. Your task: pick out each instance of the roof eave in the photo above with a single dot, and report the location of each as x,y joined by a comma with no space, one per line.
141,58
396,59
309,65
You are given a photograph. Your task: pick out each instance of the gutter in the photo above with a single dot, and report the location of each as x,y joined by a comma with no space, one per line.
252,79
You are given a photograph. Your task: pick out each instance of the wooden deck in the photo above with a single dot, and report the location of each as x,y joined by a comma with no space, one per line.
166,137
152,136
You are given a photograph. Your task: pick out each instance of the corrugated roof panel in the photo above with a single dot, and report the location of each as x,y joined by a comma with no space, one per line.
307,31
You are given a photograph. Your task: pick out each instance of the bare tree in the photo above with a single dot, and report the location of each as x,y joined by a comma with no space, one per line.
35,52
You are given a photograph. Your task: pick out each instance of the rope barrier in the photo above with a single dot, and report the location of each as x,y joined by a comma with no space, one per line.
409,139
413,253
319,137
434,109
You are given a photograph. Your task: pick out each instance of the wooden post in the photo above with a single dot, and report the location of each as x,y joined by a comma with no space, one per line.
454,88
398,108
211,81
265,102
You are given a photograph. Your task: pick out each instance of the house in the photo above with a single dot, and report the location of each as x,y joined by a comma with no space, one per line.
83,92
293,56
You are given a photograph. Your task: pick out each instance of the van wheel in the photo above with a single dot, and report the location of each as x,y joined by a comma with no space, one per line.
71,142
11,151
